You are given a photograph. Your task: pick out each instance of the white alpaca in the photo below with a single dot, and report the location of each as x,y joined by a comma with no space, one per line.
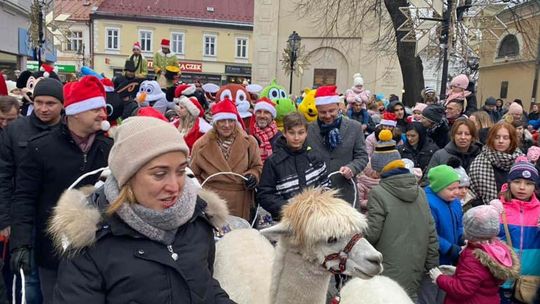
315,226
377,290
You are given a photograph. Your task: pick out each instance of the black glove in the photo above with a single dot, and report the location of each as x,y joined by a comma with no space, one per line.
20,258
251,181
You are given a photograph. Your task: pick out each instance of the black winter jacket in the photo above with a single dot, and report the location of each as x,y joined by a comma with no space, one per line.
421,156
441,156
286,173
122,266
50,165
13,142
440,135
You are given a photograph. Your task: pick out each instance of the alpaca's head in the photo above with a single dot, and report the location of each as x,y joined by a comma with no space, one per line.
316,224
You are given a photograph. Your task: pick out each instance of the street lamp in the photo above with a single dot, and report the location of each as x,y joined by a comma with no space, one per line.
293,44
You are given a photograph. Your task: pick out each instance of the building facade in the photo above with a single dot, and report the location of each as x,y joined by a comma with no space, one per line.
15,48
70,24
510,63
332,59
212,40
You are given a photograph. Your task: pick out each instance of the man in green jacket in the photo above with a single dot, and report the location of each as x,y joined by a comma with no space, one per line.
162,59
400,224
139,62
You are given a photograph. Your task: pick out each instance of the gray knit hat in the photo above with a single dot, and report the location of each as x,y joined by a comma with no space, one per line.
481,223
49,87
137,141
385,151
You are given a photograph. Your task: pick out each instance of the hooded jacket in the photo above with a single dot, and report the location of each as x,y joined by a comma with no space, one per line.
286,173
421,155
399,221
478,276
449,223
107,261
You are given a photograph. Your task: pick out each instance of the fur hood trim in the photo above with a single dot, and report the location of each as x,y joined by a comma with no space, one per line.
75,221
499,271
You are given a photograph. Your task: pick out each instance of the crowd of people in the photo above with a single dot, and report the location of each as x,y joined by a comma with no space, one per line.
449,191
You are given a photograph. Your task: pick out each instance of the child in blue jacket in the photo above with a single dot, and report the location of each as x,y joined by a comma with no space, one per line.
442,195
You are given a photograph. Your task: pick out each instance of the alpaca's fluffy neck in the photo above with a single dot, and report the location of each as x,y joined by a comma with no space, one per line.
295,280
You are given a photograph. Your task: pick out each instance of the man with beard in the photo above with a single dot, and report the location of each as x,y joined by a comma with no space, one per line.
46,115
339,142
52,162
263,126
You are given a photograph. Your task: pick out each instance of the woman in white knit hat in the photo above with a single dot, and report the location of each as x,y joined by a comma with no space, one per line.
146,235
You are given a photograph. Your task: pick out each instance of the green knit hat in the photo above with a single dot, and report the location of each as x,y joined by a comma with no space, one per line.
441,177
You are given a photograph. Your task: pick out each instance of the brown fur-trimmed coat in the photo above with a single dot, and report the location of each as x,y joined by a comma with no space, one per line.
207,159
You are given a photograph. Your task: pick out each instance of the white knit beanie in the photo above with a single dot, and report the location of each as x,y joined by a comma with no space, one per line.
137,141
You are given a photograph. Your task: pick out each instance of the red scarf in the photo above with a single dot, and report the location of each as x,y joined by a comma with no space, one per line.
264,136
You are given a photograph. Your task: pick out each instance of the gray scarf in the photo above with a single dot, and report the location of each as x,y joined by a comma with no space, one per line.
159,226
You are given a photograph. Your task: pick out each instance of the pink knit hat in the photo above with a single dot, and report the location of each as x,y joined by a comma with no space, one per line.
460,81
419,107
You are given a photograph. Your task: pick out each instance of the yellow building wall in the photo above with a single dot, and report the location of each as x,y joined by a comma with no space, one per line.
520,77
106,60
518,71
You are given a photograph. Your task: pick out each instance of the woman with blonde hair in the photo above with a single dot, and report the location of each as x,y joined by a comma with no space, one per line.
191,123
146,236
483,122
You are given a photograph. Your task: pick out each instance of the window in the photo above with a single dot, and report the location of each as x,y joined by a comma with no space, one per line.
112,38
177,43
322,77
241,47
210,45
509,47
146,41
504,89
74,43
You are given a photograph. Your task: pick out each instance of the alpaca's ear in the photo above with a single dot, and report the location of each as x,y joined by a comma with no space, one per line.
273,233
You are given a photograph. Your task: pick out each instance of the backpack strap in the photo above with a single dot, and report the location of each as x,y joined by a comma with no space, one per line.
506,230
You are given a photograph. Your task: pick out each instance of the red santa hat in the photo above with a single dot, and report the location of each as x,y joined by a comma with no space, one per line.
86,94
47,69
165,43
151,112
107,84
326,95
184,89
137,46
224,109
265,103
389,119
192,105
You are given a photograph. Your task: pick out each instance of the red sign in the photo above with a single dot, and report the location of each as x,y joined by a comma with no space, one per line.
190,67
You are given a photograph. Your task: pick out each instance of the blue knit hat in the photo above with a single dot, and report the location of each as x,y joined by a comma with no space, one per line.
523,169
